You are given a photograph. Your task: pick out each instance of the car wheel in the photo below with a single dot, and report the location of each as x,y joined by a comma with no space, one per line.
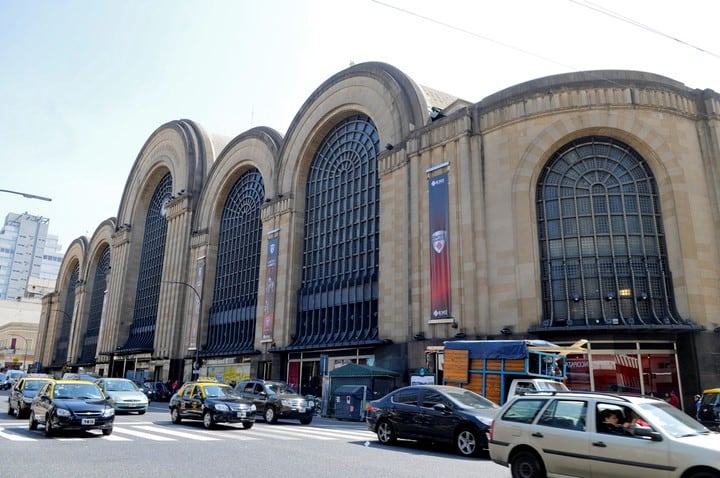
208,420
466,442
386,433
175,415
10,409
527,464
703,474
21,412
248,425
107,431
32,423
270,416
306,421
49,430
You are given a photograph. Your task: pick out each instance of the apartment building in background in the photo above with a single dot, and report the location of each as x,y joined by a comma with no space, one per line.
30,258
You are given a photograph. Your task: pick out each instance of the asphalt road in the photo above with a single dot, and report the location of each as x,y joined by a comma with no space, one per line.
151,446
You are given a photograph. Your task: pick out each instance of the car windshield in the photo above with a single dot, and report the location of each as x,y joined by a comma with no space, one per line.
77,390
120,386
219,391
467,398
34,384
279,388
673,420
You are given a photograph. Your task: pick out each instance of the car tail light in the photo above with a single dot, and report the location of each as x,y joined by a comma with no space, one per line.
369,408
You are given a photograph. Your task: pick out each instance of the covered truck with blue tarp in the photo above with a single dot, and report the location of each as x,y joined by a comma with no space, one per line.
498,369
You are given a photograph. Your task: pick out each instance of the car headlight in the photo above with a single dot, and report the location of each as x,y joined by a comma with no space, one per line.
485,421
61,412
221,407
286,403
109,412
253,408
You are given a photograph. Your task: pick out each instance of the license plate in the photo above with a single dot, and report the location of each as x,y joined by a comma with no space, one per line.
241,414
88,421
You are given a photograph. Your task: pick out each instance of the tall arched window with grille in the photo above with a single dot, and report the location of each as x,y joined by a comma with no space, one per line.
602,247
89,344
337,300
61,346
152,257
231,325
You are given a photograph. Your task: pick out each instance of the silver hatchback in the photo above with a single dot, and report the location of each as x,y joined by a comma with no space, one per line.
592,434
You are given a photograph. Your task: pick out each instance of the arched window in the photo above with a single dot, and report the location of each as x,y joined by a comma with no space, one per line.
89,347
61,346
231,325
602,246
142,330
337,300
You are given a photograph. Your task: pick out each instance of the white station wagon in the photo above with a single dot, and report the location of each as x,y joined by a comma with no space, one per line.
592,435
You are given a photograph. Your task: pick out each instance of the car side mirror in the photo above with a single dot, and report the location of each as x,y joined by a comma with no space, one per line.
647,433
263,394
440,407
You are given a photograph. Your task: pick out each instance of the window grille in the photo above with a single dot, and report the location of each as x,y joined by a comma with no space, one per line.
231,324
89,347
337,300
142,330
602,246
61,347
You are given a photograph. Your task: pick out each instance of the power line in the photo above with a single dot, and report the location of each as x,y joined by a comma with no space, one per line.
623,18
506,45
477,35
586,4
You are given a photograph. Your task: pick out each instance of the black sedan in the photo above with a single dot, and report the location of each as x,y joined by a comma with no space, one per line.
71,405
433,413
22,394
212,402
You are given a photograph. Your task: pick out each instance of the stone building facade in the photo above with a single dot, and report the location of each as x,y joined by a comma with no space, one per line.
577,206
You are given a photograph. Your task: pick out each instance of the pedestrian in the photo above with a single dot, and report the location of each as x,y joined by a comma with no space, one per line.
674,400
698,401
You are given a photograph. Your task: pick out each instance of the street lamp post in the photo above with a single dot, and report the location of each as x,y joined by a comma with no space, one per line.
26,195
196,345
26,351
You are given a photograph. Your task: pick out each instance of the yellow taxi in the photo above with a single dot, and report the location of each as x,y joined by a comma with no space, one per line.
71,405
708,412
212,402
23,392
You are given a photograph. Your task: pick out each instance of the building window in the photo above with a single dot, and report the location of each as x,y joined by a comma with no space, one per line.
89,347
337,300
61,347
231,325
142,330
602,246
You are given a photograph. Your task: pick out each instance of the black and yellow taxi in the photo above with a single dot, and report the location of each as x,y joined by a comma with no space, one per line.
71,405
212,402
23,392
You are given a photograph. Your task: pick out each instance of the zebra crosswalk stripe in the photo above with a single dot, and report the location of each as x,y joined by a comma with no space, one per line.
13,437
176,433
148,436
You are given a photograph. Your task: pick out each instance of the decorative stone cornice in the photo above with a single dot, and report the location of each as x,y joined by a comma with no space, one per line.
178,206
120,237
278,206
495,114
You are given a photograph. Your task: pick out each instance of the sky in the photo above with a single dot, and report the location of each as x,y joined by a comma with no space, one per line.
85,83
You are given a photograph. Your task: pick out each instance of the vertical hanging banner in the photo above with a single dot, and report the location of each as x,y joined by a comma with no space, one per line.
269,307
439,254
